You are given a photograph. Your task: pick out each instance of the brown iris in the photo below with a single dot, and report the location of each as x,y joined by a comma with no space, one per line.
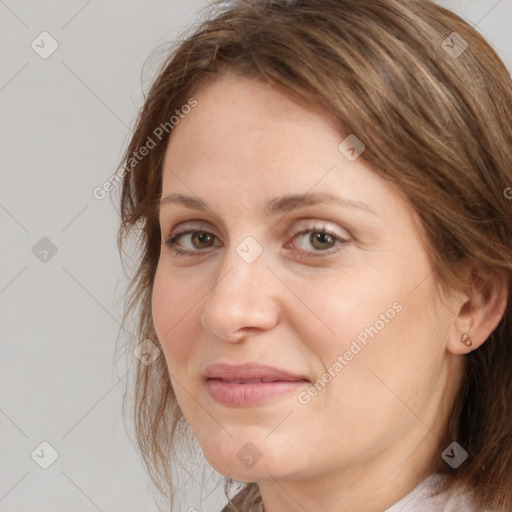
202,237
324,240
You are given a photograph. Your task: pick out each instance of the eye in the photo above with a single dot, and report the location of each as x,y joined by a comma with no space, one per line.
320,238
198,239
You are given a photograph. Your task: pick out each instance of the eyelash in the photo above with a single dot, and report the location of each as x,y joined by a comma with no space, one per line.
171,242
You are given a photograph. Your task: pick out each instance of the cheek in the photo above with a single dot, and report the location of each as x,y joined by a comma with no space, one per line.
175,317
345,311
173,305
375,331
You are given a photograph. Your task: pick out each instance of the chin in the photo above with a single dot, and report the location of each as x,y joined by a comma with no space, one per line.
245,461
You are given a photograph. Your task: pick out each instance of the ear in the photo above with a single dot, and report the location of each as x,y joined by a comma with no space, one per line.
481,307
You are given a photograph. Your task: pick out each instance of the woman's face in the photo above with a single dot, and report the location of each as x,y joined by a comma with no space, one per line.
335,289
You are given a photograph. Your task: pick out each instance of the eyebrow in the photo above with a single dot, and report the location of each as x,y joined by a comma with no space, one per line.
277,205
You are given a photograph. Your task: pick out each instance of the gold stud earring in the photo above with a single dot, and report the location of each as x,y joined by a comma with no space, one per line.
466,339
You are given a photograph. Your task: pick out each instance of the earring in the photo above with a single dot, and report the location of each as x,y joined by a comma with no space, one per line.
466,339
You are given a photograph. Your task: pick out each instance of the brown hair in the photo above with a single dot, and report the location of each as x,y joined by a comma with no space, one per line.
436,125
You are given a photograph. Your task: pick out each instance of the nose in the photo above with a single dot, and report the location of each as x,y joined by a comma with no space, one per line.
243,299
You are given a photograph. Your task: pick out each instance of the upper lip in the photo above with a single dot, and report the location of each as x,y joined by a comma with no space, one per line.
249,371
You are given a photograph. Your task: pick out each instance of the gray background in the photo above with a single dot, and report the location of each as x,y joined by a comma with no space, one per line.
64,121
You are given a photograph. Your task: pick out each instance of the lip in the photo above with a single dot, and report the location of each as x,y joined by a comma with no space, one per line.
249,371
231,384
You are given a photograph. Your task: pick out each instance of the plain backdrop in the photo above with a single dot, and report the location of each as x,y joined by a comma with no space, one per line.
64,121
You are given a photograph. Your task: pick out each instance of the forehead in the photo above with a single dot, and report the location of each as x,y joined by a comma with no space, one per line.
246,125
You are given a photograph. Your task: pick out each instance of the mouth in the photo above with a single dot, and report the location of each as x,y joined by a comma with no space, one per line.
255,381
251,392
250,383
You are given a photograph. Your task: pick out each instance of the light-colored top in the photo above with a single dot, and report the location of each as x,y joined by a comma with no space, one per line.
427,498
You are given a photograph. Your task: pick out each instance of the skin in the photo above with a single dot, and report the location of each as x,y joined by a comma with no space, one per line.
368,438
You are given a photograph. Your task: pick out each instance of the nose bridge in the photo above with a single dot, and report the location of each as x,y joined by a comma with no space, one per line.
242,295
243,265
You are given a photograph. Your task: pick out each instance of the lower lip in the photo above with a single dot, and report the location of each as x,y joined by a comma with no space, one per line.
240,395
